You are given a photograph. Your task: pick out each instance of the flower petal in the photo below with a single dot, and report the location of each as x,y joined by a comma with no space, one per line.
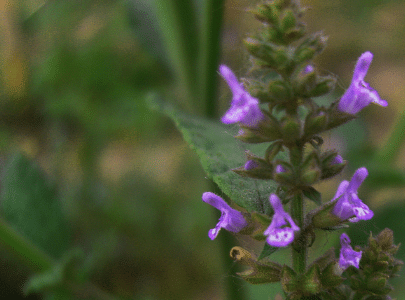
280,237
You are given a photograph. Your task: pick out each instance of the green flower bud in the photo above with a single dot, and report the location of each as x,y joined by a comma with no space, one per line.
315,123
272,55
289,279
280,91
288,20
295,33
258,272
291,130
310,47
324,86
267,13
330,277
311,283
272,151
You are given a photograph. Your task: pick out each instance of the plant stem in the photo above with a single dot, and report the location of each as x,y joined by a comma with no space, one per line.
299,250
26,251
179,30
390,150
210,52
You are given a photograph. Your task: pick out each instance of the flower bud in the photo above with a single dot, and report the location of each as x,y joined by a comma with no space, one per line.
283,173
288,20
315,123
310,47
323,86
255,167
258,272
267,13
273,55
272,151
291,129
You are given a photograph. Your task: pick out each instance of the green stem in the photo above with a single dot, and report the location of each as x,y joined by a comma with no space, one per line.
299,250
210,52
389,152
26,251
179,30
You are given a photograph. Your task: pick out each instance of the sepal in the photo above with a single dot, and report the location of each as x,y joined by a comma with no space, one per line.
289,279
291,130
255,167
315,123
258,272
311,171
283,173
310,47
322,217
337,117
272,151
274,56
329,166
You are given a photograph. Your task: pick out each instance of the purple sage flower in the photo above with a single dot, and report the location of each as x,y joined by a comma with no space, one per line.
360,94
349,206
348,257
231,219
278,235
251,164
244,108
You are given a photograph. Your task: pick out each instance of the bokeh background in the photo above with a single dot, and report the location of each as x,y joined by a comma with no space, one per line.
74,82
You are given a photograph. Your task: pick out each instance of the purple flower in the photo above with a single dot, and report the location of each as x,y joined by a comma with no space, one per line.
348,257
308,69
251,164
278,235
244,108
360,94
231,219
280,169
337,160
349,205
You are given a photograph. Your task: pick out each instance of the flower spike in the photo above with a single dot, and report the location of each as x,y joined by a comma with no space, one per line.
277,234
244,108
231,219
348,257
360,94
349,206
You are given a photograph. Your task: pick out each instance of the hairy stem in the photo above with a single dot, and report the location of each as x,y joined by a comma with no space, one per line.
299,250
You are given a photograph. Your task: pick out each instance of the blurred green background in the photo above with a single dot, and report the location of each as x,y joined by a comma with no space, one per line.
74,82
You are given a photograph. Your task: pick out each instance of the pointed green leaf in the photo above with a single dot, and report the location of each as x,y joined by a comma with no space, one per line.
312,194
219,153
267,251
29,203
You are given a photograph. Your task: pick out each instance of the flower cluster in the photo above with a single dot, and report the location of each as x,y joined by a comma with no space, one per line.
272,112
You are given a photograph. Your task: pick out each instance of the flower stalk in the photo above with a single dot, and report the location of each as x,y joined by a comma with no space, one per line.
285,50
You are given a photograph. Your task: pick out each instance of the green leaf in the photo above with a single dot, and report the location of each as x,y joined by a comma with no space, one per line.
219,153
30,204
267,251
